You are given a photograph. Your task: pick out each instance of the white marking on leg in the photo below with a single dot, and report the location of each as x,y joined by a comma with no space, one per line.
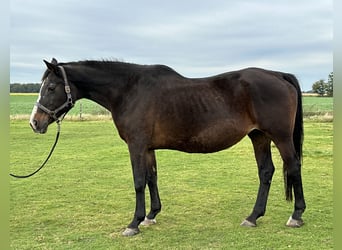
148,222
130,231
294,223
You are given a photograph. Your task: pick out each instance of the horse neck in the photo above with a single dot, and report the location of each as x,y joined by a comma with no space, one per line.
103,85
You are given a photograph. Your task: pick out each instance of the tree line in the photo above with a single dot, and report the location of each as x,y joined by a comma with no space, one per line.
24,88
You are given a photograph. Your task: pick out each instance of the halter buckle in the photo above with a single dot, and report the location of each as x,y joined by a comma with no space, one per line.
67,89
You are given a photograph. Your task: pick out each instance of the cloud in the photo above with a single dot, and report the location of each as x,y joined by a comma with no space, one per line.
196,38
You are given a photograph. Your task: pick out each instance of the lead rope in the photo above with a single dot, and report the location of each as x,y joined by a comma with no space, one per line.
48,157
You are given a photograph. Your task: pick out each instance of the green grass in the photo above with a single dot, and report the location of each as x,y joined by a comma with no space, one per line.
86,192
313,105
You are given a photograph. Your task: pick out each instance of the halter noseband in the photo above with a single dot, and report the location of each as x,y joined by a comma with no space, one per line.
67,103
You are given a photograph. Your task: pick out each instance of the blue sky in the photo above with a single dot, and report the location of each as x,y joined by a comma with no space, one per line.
196,38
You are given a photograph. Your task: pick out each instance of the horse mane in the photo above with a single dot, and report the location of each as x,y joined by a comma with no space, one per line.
121,66
120,63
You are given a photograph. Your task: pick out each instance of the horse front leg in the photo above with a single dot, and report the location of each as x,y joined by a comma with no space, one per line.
139,161
153,188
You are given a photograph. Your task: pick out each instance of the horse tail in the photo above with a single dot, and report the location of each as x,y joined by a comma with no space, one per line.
298,133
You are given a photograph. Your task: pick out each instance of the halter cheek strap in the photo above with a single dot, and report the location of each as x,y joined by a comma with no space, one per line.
67,104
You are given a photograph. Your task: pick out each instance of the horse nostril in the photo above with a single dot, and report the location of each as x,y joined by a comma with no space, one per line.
34,123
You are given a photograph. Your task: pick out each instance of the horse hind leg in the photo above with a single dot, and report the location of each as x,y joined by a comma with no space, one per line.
262,150
293,181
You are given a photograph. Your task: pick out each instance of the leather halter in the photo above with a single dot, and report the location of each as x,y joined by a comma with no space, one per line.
68,103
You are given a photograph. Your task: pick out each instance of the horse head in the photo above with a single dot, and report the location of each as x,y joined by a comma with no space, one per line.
54,99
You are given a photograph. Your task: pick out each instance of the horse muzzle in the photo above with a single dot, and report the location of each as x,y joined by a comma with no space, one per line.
39,122
38,127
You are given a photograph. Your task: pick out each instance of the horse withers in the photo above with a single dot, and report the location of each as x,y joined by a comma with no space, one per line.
153,107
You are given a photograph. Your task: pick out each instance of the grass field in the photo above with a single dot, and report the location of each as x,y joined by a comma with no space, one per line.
86,192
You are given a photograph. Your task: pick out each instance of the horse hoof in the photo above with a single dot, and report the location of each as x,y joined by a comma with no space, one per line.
130,231
247,223
294,223
148,222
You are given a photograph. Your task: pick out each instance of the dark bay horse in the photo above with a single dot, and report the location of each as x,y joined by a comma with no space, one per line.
154,107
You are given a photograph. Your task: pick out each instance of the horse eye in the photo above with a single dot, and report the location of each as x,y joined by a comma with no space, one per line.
51,87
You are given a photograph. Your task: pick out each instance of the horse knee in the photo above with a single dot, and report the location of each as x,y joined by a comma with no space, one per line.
139,185
139,189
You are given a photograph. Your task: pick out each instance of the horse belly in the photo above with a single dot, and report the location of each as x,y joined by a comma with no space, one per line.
211,138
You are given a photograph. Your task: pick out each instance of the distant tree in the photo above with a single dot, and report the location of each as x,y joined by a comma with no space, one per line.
323,88
319,87
15,88
24,88
330,85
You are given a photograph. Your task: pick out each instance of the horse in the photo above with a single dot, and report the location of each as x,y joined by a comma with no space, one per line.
154,107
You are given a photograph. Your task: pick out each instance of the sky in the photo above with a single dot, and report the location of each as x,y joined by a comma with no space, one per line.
196,38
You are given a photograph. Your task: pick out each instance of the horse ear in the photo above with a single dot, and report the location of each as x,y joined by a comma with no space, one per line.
54,61
52,66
